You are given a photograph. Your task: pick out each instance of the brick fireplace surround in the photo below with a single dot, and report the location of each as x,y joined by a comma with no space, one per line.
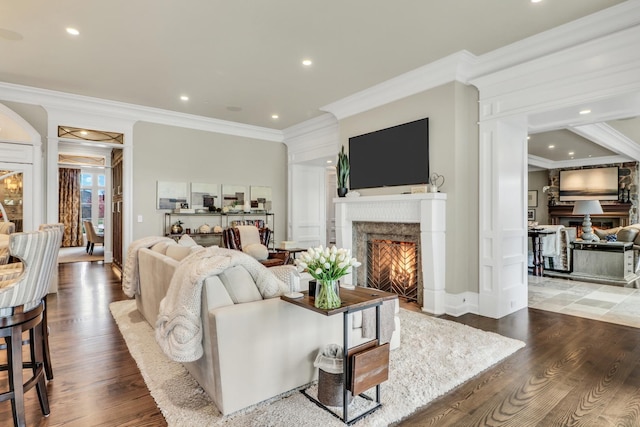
427,209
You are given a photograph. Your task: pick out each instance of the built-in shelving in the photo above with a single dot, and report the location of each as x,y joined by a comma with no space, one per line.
191,222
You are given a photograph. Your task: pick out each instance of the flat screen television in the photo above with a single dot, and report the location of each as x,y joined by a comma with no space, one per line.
587,184
398,155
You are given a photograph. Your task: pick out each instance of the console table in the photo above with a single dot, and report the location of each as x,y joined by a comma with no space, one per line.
354,377
603,261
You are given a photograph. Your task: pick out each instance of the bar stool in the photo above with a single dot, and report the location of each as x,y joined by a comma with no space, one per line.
21,310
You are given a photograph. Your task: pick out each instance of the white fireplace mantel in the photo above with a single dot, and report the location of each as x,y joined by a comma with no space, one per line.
427,209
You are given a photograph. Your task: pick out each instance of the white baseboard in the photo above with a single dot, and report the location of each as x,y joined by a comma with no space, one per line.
459,304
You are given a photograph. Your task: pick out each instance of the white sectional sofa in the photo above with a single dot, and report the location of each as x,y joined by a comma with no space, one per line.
254,348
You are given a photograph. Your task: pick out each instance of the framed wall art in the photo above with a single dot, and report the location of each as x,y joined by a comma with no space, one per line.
171,195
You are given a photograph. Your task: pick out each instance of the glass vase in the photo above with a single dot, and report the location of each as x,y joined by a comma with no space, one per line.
327,294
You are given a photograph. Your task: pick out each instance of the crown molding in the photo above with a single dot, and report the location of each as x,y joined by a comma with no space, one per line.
321,123
609,138
62,101
453,67
467,68
542,163
607,21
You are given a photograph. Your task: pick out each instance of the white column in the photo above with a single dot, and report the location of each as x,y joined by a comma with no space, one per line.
503,245
433,254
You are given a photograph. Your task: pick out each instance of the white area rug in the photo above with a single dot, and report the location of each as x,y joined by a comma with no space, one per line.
435,356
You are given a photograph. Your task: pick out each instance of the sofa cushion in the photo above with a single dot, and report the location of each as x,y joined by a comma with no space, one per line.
256,250
161,247
187,241
215,293
240,285
602,234
627,234
179,252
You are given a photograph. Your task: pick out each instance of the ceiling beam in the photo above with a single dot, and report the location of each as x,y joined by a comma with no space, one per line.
609,138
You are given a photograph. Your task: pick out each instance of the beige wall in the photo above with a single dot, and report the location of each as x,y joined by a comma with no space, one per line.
168,153
537,180
453,149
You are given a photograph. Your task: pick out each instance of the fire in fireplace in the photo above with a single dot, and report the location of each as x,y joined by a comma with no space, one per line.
392,266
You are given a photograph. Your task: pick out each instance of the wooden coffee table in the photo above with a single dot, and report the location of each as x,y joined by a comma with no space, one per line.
362,377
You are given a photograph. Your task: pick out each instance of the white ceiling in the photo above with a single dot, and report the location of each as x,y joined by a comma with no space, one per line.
241,60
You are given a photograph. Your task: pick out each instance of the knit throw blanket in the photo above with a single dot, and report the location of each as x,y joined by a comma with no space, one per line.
179,326
130,277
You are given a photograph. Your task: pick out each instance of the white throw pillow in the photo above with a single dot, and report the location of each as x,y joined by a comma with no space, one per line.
256,250
187,240
240,285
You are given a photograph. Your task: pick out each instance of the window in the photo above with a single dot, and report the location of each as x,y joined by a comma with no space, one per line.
92,193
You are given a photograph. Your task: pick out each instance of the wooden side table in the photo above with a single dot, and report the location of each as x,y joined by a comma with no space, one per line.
538,261
352,300
292,252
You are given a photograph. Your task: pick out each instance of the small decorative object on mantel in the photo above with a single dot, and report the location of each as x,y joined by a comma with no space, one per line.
326,266
176,228
342,172
204,228
436,182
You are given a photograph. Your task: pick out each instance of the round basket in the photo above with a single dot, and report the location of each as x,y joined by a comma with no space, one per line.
330,389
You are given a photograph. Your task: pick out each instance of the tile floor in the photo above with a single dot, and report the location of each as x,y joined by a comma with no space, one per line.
614,304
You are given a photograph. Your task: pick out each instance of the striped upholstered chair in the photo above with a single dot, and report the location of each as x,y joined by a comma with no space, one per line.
21,310
53,288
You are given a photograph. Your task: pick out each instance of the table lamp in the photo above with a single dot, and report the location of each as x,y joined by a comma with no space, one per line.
586,208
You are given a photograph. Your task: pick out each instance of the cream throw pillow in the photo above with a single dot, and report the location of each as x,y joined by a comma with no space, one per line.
187,240
256,250
179,252
240,285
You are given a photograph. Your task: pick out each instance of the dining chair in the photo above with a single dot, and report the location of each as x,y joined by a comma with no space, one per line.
92,237
21,310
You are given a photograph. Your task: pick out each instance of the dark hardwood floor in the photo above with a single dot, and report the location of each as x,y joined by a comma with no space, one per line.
96,382
573,371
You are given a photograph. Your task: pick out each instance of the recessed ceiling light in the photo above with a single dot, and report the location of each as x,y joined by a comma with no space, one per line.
585,112
329,161
73,31
528,137
307,62
571,153
551,147
184,97
536,1
274,116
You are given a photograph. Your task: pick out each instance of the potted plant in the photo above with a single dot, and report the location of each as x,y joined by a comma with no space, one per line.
326,266
342,172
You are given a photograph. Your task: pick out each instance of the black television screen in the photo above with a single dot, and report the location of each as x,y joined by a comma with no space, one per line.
398,155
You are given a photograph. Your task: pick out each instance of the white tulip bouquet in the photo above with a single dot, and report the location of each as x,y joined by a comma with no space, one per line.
326,265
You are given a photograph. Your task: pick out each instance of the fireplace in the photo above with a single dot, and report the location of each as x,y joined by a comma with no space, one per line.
386,246
393,267
412,218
